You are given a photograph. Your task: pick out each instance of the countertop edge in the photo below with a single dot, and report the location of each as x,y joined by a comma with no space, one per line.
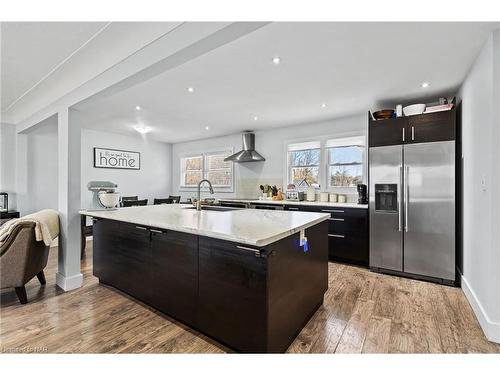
216,235
298,203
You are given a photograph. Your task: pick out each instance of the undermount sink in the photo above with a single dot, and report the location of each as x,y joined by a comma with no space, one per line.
214,208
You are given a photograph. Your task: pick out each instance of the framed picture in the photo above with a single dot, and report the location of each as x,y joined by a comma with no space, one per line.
116,159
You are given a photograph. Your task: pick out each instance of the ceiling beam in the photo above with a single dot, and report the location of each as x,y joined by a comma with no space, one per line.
186,43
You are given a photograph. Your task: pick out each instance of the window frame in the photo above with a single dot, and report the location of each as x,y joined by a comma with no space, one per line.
330,164
324,140
289,167
183,170
204,170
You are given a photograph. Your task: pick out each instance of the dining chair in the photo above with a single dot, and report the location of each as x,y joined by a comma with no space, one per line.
141,202
163,201
175,198
130,198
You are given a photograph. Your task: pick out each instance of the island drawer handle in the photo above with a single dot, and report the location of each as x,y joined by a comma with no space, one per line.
141,228
336,235
156,231
255,251
337,211
293,208
336,219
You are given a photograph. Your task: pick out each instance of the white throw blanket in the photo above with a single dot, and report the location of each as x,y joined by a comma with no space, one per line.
46,226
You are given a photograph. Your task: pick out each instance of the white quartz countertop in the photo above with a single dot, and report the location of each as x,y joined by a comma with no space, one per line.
247,226
295,203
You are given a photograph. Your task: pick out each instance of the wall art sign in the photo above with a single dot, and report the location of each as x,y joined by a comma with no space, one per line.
116,159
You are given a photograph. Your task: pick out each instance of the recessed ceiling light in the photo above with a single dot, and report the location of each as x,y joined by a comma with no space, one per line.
190,89
276,60
425,85
207,128
138,107
255,118
323,105
142,129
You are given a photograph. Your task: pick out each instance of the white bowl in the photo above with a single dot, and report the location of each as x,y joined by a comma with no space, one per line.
109,200
414,109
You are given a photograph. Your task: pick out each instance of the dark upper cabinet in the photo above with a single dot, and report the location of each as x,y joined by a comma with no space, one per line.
123,249
427,127
432,127
387,132
174,270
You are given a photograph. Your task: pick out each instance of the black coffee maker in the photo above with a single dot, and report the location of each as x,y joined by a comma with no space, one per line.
362,194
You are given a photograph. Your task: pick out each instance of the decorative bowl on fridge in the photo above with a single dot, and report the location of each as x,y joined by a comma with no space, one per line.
414,109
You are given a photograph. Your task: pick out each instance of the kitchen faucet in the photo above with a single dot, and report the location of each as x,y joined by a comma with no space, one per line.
198,202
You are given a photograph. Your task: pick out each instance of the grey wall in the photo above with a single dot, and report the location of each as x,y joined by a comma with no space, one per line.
8,162
151,181
480,95
272,145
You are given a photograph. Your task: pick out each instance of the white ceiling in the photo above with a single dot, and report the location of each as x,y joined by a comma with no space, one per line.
352,67
31,50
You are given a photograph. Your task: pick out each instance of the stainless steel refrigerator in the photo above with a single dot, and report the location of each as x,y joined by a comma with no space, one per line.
412,209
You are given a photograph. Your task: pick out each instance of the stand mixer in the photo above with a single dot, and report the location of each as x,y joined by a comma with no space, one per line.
104,196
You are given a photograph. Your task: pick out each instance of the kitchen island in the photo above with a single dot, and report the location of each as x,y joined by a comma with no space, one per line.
249,279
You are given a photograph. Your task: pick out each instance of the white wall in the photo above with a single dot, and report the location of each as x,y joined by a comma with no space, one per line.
480,95
42,167
151,181
8,162
271,144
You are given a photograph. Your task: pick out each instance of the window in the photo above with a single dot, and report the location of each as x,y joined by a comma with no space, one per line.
210,166
218,171
345,161
303,164
191,171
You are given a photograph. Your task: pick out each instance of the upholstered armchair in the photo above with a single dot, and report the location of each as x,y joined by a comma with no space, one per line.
21,259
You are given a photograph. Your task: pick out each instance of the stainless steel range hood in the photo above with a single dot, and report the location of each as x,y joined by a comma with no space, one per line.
248,153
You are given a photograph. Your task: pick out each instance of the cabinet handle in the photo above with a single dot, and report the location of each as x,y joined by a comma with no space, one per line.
336,219
255,251
156,231
412,133
336,235
407,198
403,134
141,228
293,208
400,199
335,211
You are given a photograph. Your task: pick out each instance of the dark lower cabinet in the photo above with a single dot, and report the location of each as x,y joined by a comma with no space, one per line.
347,233
254,300
174,271
125,261
232,294
348,236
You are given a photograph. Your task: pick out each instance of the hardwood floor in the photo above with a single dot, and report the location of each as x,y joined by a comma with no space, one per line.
363,312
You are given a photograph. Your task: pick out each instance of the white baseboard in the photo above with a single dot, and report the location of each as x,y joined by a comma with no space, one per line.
490,328
69,283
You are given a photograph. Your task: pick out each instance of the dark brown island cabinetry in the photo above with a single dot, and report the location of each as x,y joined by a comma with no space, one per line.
252,299
347,232
427,127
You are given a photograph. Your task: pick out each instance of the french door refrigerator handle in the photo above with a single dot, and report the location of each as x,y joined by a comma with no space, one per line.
407,195
400,200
